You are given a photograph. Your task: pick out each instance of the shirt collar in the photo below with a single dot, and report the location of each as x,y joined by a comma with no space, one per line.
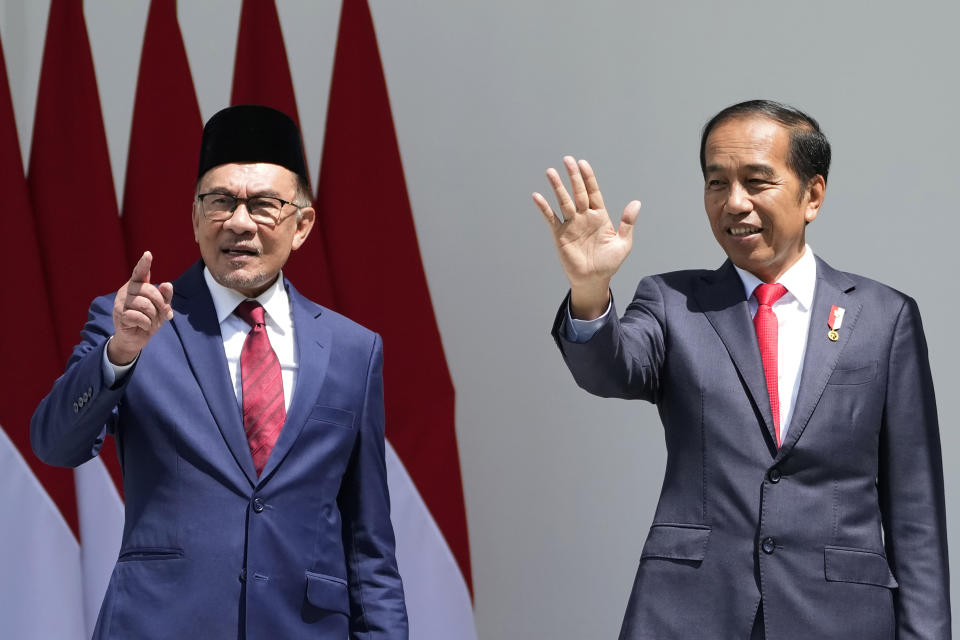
274,300
800,279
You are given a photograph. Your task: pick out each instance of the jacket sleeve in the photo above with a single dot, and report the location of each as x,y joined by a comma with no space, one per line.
910,485
623,359
70,423
377,609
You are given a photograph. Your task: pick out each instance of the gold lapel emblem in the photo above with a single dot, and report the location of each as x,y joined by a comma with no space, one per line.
834,322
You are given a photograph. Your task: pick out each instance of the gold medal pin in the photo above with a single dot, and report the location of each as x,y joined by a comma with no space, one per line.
834,322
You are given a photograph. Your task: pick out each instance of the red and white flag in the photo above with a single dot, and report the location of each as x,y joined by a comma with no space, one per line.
164,151
379,281
261,75
39,551
362,260
73,197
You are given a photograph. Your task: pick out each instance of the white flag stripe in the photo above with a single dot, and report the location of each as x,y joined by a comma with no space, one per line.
100,512
42,589
438,601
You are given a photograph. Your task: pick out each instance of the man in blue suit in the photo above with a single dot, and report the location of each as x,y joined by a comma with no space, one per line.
803,491
251,437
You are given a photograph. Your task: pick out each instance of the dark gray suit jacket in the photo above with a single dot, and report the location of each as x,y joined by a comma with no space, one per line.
840,533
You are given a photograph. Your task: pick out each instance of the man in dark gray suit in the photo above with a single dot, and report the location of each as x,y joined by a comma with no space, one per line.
803,493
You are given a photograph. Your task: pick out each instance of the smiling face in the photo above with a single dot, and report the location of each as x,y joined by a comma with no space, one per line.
239,253
756,205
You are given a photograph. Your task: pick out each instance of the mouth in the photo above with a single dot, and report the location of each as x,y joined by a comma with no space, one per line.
744,231
240,251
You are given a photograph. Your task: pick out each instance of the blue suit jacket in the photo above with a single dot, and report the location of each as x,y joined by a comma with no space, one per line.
840,532
209,549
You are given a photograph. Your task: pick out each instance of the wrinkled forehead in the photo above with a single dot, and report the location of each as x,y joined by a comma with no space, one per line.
746,137
253,177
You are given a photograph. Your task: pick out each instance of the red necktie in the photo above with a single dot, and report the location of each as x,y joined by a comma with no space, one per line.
765,322
263,410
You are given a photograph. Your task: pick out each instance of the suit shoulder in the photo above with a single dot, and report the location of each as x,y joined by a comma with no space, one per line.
683,276
342,326
876,291
341,323
682,281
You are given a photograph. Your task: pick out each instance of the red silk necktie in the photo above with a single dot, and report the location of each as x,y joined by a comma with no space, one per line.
263,410
765,322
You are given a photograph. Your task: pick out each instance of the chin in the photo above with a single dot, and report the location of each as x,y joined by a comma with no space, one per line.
244,281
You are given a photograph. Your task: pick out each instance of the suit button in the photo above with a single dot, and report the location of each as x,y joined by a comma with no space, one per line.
768,545
90,392
774,475
257,505
76,408
243,575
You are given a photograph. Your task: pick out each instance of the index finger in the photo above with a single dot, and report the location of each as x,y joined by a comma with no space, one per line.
141,271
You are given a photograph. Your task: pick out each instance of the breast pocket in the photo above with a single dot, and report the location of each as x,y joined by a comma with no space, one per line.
853,374
332,415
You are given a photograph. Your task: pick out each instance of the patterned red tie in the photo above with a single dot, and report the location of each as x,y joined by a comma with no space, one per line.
263,410
765,322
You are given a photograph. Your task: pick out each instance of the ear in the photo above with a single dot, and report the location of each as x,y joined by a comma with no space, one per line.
304,224
815,192
196,221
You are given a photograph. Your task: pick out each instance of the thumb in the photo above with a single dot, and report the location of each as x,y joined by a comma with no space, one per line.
166,290
627,220
141,271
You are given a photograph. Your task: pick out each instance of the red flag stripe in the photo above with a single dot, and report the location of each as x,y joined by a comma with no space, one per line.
378,275
28,354
261,73
262,76
71,184
164,151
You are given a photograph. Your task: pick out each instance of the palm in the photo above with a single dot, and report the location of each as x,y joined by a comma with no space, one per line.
590,248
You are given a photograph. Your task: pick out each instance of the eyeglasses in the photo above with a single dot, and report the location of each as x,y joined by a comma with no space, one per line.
264,210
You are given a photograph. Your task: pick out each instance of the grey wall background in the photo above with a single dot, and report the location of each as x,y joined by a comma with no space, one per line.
560,487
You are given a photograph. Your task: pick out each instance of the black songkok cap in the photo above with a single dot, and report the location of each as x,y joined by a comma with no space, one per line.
251,133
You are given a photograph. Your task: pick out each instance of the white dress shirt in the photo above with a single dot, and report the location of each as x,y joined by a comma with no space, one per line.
793,324
278,320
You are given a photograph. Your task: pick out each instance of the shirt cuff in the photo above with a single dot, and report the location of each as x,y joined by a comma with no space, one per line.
113,373
582,330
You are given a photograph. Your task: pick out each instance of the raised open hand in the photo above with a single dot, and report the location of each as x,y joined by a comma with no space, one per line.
590,249
139,309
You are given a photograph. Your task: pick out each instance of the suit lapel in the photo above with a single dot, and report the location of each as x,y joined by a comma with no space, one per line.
195,321
721,297
822,354
313,355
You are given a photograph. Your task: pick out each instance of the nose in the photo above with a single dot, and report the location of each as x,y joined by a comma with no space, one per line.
240,222
738,200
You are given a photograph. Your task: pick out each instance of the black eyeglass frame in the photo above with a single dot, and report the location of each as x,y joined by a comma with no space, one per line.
237,201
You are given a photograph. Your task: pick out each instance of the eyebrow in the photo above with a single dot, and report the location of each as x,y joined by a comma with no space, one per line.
227,190
763,169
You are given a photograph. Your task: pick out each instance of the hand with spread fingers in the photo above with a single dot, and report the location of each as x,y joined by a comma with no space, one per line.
139,310
590,249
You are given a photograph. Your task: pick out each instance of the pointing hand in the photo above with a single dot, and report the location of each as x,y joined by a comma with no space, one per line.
139,310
